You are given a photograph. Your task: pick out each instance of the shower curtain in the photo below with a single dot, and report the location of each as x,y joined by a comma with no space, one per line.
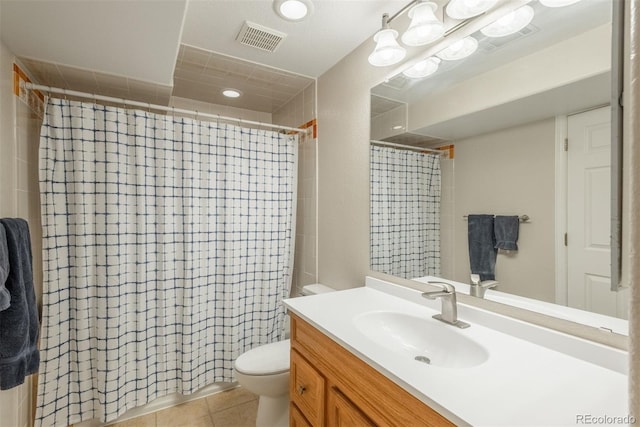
405,212
168,247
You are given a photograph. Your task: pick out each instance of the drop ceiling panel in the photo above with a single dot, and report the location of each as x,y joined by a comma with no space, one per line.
202,75
135,39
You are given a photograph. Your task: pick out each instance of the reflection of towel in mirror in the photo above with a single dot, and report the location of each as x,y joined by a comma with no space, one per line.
482,251
19,355
5,297
506,231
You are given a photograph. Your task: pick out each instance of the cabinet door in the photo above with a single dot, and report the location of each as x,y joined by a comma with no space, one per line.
306,389
296,419
341,412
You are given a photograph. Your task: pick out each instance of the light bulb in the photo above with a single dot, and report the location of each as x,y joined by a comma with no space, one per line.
509,23
465,9
387,51
422,69
558,3
425,27
458,50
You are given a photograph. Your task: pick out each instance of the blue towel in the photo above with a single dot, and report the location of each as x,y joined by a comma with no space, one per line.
19,355
482,251
506,231
5,297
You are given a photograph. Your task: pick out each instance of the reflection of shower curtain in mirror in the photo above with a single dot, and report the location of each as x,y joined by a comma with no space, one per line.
405,212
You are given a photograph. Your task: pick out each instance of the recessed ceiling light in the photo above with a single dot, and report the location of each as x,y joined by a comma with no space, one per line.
231,93
293,10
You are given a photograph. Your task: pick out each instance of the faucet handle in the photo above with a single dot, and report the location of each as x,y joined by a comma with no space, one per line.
446,287
489,284
475,279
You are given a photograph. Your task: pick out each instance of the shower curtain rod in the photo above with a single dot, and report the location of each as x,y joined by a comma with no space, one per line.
154,106
408,147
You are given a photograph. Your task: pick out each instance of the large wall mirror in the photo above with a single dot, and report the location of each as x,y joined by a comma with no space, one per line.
520,129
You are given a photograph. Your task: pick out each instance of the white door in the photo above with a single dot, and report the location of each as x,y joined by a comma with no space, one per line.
589,215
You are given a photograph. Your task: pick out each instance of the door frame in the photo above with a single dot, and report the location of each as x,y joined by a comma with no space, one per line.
561,203
561,197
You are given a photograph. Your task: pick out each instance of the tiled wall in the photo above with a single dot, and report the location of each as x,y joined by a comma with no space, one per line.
382,125
223,110
447,217
19,197
300,110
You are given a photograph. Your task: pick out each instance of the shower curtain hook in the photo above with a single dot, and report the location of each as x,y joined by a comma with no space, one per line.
196,114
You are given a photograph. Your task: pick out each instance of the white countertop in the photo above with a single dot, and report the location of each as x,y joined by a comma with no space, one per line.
619,326
533,377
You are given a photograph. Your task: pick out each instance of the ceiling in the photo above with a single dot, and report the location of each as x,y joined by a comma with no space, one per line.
150,50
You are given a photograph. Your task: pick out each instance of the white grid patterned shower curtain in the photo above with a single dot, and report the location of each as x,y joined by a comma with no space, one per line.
405,212
168,247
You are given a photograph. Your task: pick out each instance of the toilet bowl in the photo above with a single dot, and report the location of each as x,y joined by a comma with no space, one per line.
264,371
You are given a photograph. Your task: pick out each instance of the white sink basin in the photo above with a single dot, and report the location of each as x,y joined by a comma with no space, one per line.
422,340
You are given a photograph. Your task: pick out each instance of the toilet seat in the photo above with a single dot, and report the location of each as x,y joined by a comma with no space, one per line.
266,359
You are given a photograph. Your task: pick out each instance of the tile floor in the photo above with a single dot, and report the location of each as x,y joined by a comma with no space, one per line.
230,408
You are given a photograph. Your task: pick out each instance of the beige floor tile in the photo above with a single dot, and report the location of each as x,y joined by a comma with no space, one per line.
190,413
143,421
229,398
243,415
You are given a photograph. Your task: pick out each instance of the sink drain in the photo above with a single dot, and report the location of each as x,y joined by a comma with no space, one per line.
423,359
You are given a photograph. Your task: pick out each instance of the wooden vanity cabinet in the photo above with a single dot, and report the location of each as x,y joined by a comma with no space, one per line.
329,386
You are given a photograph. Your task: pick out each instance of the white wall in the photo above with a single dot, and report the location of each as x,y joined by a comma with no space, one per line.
508,172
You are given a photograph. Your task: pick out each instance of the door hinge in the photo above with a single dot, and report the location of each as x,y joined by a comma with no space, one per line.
566,144
566,239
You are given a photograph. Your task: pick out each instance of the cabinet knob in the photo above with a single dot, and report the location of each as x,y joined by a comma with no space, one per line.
301,389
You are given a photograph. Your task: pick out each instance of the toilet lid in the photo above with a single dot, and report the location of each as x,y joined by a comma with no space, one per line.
266,359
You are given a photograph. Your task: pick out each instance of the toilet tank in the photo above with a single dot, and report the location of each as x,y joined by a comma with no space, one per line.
312,289
315,289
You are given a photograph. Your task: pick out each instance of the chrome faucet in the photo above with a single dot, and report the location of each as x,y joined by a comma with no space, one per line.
478,287
449,311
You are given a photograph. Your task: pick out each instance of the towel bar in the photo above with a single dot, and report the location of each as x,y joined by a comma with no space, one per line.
522,218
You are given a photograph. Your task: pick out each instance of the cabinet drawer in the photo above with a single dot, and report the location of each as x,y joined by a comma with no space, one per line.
306,389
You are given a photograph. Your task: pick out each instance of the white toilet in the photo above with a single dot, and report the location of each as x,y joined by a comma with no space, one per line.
264,371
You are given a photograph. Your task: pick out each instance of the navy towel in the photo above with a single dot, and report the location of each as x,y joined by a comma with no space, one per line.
506,231
19,355
5,297
482,251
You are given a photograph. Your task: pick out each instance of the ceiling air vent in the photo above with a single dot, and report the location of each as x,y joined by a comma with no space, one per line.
260,37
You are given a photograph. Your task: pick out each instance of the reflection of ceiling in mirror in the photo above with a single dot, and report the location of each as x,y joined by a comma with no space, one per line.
549,26
414,139
381,105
